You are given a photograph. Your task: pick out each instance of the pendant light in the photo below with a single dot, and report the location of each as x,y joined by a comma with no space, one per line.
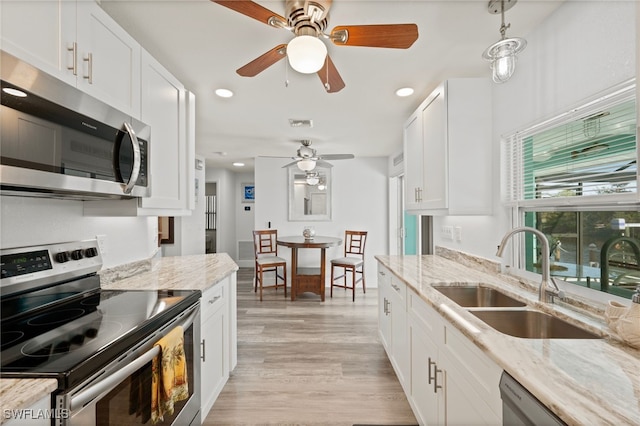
502,54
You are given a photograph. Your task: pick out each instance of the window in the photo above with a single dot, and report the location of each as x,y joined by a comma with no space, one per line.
575,178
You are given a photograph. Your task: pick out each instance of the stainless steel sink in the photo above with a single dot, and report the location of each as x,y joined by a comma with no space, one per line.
478,297
530,324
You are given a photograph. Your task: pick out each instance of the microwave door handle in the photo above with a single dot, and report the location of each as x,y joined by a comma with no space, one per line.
135,171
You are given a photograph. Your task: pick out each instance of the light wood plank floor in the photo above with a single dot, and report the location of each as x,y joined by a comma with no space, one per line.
309,363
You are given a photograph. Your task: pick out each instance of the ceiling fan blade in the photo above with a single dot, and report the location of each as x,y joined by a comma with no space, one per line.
290,164
252,10
331,80
321,163
263,61
337,157
397,36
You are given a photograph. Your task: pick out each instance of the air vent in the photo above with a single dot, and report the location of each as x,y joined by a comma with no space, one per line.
300,123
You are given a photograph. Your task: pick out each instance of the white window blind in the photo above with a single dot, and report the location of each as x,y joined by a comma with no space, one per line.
584,156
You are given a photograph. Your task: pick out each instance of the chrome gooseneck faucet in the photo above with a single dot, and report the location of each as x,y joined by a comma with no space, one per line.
546,292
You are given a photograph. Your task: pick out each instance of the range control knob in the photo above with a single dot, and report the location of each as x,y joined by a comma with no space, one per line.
91,252
62,257
77,255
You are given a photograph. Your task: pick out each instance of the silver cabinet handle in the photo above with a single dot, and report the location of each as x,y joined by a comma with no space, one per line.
436,386
212,301
135,172
430,364
395,287
204,346
74,51
89,60
382,273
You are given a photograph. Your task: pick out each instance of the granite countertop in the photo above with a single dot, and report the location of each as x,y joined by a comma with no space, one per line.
195,272
583,381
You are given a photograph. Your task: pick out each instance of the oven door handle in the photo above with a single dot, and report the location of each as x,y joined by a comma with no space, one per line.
110,382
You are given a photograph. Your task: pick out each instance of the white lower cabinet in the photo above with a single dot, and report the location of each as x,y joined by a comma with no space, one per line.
393,322
447,379
452,381
218,340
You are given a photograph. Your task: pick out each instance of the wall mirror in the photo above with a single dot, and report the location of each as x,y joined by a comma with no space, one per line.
310,194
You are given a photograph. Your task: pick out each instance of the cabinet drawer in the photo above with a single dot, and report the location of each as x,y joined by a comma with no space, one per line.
213,299
400,289
427,318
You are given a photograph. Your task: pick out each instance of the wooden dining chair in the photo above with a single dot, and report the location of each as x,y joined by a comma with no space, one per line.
267,260
352,263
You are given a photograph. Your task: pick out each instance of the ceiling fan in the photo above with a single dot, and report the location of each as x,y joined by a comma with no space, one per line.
307,20
307,158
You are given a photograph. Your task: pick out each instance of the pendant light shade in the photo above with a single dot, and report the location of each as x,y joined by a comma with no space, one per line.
306,165
306,54
503,54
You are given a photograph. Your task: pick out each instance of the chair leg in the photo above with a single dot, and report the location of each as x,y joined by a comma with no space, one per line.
331,282
364,288
255,287
261,278
284,276
353,284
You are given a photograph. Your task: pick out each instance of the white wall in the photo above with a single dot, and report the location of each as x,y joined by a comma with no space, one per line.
244,218
584,48
189,232
34,221
359,202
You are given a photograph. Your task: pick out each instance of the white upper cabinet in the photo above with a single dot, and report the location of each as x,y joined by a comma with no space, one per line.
448,152
169,109
76,42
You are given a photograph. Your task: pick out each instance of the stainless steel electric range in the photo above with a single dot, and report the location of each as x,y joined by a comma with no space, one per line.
56,322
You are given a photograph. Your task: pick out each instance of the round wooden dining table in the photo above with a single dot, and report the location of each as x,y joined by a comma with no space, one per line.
308,279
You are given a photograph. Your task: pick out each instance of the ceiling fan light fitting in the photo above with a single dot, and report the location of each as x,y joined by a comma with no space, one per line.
306,165
306,54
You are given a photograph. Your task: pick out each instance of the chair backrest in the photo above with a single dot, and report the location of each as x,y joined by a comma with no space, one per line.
354,242
265,242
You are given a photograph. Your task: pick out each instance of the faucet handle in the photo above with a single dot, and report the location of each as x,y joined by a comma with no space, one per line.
555,291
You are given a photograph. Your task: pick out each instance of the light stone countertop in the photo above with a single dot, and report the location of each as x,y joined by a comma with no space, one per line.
585,382
195,272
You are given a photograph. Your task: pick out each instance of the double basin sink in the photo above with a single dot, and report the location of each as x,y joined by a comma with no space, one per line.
510,316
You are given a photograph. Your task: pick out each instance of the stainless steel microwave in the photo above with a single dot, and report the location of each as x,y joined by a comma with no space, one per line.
56,141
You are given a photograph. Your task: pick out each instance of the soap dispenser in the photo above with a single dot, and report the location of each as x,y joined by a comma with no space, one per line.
629,323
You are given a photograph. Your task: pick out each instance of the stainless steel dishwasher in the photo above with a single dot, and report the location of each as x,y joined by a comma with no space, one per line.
519,407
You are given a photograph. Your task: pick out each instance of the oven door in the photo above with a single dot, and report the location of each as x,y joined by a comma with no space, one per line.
113,395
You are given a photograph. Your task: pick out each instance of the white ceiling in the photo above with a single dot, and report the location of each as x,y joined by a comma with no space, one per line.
203,43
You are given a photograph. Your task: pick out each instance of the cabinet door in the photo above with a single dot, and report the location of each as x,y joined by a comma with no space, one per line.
428,403
435,156
212,370
109,59
413,161
163,108
384,318
41,33
214,332
400,332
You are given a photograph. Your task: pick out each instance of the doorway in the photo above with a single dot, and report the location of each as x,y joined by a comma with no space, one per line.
211,217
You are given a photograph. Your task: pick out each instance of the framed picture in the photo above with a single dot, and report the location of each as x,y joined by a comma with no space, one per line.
248,192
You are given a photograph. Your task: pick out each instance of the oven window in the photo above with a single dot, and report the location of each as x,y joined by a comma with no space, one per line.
130,402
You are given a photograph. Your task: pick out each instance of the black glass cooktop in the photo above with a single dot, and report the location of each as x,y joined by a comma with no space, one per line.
69,340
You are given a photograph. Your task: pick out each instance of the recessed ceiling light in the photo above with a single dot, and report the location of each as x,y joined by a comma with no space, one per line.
404,91
224,93
237,164
14,92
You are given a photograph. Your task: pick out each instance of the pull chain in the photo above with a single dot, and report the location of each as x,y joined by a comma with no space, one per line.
327,86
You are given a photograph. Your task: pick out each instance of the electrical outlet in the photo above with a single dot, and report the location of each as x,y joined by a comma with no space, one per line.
102,243
447,232
457,233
